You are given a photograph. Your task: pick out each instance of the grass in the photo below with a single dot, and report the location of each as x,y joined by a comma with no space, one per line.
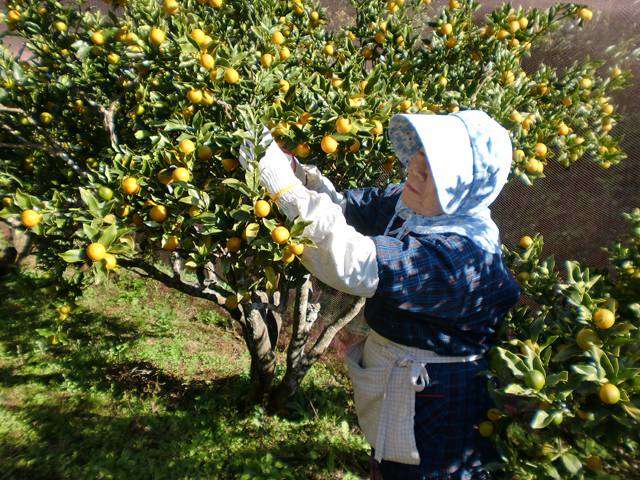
151,384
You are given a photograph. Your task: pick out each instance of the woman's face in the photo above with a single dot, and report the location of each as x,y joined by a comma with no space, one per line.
419,193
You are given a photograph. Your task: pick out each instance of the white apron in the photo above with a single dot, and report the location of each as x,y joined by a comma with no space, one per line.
385,377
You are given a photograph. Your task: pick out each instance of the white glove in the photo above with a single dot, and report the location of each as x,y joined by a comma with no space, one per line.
276,174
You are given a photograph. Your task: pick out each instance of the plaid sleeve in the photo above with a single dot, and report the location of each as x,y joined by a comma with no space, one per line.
422,274
367,209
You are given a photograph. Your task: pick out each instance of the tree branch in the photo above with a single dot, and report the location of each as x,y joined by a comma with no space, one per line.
325,338
192,289
27,146
107,118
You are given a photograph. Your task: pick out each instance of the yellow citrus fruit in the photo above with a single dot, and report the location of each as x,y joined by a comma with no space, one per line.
277,37
198,36
14,16
284,85
156,36
64,309
207,98
229,164
110,261
113,58
302,150
527,122
261,208
607,109
585,14
377,128
194,95
296,248
130,186
609,394
329,144
30,218
7,201
354,147
343,125
563,129
284,53
526,241
46,118
486,429
171,243
514,26
288,256
60,26
170,6
540,150
502,34
207,61
95,251
216,3
523,277
186,146
233,244
446,29
604,318
524,21
380,37
97,38
266,60
205,153
280,235
494,414
181,174
231,76
405,105
586,338
616,72
586,83
328,49
158,213
533,166
194,211
516,117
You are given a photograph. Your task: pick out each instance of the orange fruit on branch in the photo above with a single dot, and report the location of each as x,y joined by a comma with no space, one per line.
95,251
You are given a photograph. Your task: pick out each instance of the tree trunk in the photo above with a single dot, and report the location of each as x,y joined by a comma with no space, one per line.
263,360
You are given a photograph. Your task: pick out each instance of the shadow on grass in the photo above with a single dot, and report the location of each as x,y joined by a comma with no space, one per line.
88,414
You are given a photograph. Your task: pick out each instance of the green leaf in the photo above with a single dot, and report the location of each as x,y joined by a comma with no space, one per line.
540,420
571,463
72,256
108,236
90,201
299,227
587,373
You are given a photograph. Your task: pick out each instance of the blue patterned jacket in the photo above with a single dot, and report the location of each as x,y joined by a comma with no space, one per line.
439,292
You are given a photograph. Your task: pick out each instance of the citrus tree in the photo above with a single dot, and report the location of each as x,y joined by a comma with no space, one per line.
566,374
121,134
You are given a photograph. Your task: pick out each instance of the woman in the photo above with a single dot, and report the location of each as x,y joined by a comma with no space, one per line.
427,256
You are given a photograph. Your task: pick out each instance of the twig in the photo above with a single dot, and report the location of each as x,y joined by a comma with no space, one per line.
107,118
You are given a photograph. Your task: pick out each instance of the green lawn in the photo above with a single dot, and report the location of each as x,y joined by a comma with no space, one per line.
151,384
